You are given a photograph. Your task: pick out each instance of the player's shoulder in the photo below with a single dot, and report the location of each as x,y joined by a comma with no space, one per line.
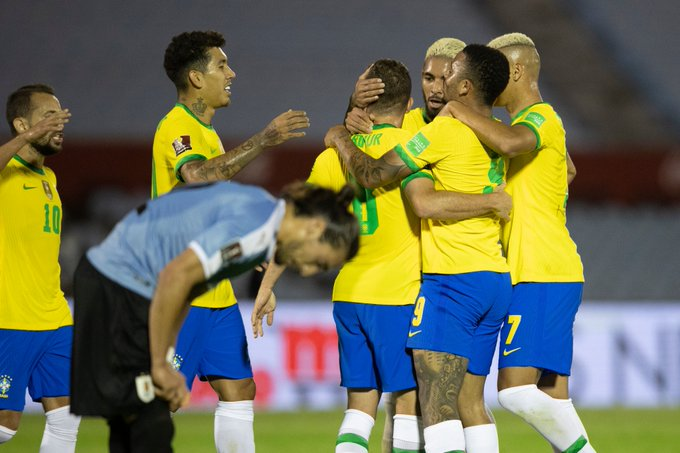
537,115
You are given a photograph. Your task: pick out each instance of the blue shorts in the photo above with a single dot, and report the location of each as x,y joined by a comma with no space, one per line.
39,360
372,344
538,332
212,345
461,314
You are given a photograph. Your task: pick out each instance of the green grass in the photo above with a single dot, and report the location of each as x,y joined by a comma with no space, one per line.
616,430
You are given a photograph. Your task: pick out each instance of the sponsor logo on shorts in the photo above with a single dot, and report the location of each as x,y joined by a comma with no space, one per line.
5,384
176,362
182,144
507,353
413,334
144,386
231,252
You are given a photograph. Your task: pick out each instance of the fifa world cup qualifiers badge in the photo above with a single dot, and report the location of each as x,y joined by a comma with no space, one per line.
5,384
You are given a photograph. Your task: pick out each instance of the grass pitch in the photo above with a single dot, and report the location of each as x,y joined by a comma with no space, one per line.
614,430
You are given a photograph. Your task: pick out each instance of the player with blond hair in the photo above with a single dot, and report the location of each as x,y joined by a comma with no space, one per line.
547,275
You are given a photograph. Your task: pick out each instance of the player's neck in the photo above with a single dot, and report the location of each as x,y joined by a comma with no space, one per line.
197,106
521,100
393,120
30,155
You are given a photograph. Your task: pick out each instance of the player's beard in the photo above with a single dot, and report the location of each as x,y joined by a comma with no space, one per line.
47,149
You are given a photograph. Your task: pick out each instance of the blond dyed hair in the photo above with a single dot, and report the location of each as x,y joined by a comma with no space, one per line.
511,39
445,47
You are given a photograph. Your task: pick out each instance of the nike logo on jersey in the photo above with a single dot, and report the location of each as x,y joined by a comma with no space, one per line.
413,334
507,353
29,187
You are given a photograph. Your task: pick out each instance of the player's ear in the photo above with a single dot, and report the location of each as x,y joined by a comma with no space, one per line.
516,71
196,78
409,104
20,124
464,87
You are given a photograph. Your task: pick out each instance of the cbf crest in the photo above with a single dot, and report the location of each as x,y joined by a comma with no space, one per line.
47,189
176,362
5,384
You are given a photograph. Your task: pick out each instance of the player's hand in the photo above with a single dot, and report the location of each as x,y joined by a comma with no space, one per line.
366,90
358,121
170,385
502,203
284,127
53,123
265,304
334,134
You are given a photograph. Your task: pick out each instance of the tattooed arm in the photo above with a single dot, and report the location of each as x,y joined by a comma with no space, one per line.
224,167
368,172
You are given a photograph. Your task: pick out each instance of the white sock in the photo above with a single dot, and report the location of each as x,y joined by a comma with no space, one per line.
6,434
388,429
354,433
444,437
234,427
61,431
481,439
545,414
408,433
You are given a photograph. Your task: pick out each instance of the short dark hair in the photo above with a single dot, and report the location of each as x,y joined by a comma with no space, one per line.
397,82
342,228
19,102
188,51
488,69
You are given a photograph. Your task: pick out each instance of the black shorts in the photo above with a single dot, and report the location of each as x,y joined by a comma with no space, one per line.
110,345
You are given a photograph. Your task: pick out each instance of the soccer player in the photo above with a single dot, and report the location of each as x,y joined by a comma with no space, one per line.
187,149
436,66
35,324
137,285
537,339
466,285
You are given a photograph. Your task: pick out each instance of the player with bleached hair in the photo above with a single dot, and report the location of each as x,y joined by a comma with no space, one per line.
537,339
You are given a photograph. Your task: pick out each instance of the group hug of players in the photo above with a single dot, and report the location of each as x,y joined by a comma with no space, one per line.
451,226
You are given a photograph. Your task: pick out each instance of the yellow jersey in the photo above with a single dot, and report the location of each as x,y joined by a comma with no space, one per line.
30,235
386,270
536,240
459,163
414,120
180,138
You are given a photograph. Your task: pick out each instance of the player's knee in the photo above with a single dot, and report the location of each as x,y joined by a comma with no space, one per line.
6,434
62,424
517,399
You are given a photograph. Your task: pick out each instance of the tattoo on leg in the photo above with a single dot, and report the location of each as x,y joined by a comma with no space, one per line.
440,377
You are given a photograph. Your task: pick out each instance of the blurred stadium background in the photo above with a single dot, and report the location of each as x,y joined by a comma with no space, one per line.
610,67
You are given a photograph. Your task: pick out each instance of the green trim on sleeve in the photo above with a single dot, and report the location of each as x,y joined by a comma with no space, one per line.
532,128
406,158
31,167
412,176
154,188
183,161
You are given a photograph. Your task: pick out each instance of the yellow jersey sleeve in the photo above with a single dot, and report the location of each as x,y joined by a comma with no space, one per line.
180,138
536,240
460,163
386,270
30,235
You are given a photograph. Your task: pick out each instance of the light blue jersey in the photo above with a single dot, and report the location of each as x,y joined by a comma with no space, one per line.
231,228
